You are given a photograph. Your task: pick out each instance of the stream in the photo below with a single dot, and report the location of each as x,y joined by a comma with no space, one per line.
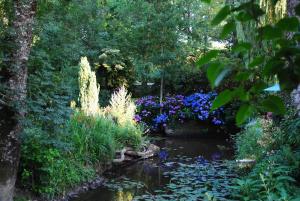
186,169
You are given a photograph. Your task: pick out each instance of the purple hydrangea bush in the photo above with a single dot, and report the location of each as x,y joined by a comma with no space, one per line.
177,109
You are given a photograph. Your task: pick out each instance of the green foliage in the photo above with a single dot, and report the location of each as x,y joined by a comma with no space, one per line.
122,108
48,170
276,149
88,89
50,167
114,68
97,138
271,54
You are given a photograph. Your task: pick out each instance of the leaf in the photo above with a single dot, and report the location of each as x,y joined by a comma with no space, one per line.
207,57
227,29
288,24
215,74
242,76
274,104
244,112
256,61
243,17
258,87
221,76
206,1
252,9
241,94
222,14
270,32
272,67
241,47
222,99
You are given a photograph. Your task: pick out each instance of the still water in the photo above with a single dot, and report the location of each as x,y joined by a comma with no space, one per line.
185,169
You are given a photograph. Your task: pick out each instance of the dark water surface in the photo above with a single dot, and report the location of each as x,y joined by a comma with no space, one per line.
186,169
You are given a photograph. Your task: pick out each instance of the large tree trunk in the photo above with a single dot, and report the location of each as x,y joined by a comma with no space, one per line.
295,95
12,109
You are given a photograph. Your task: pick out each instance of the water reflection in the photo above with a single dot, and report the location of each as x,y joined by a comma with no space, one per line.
179,163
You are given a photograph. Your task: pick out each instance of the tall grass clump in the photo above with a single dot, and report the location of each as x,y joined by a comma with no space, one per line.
96,138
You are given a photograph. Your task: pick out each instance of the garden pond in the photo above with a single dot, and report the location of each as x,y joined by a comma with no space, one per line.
185,169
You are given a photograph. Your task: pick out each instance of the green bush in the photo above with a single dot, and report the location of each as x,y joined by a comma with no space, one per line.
256,139
276,149
49,166
46,169
96,138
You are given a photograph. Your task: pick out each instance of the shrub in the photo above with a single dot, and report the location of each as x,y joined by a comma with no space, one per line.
96,138
89,91
122,108
275,147
256,139
46,169
177,109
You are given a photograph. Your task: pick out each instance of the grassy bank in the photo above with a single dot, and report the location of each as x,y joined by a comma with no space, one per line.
275,146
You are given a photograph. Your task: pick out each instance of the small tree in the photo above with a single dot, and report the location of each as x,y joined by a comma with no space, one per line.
89,90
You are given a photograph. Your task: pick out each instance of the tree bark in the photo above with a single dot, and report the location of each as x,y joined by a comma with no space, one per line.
295,95
12,109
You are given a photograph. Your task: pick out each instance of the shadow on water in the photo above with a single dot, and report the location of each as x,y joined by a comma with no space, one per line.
185,169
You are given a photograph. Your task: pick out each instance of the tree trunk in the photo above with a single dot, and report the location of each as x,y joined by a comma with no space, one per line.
161,91
295,95
12,109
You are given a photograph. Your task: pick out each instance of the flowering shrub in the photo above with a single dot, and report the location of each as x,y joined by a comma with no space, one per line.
177,109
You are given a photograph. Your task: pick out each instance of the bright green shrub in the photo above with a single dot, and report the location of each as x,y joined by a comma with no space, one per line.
46,169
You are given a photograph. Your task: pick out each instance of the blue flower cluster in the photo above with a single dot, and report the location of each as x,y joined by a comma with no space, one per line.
176,109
